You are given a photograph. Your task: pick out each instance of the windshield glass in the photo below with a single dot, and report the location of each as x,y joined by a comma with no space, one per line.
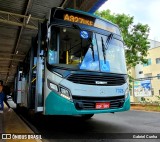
111,54
79,49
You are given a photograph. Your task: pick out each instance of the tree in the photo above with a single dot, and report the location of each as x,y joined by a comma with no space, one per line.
134,35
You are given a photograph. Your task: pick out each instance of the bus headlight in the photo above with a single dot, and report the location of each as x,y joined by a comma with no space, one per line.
53,86
60,90
126,93
65,93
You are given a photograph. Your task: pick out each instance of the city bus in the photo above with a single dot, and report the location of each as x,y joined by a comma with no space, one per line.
75,66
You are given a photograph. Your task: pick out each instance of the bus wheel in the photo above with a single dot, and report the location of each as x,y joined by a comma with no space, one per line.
87,116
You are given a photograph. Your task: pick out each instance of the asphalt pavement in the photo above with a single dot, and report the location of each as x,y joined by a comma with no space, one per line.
118,127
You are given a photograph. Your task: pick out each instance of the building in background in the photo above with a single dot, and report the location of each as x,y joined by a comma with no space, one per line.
147,76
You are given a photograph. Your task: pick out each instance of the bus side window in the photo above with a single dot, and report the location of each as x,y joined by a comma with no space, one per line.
52,57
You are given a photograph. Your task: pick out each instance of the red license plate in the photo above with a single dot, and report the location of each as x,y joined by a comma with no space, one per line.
102,105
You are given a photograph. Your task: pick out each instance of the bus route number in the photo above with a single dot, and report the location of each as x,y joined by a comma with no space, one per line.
119,91
77,19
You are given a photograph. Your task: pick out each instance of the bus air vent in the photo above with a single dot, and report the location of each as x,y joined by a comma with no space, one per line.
88,103
100,80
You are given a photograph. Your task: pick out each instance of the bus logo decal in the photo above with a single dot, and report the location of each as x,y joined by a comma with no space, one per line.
101,82
84,34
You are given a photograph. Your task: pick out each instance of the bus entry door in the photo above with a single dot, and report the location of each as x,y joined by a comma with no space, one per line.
39,75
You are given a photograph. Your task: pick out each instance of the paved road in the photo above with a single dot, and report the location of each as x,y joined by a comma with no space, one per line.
124,122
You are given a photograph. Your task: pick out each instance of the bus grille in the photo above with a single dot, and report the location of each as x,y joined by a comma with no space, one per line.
89,103
101,80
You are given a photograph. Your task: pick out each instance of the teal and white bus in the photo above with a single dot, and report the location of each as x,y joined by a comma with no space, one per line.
76,66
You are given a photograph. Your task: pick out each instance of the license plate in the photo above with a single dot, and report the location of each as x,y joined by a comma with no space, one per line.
103,105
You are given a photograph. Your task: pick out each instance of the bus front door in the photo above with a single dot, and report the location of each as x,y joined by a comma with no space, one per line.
39,75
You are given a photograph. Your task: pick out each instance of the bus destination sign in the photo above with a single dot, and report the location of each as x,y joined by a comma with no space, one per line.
77,19
89,22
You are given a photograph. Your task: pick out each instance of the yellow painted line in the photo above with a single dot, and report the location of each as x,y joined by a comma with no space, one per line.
33,80
34,67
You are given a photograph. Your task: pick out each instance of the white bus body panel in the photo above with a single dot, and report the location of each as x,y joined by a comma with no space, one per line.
93,91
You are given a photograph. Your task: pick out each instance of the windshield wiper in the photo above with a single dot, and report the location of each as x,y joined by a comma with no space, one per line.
90,41
109,38
103,50
105,47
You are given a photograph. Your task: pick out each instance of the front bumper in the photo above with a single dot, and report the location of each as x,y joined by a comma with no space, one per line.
57,105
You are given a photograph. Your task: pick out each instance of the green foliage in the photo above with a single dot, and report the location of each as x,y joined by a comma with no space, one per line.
131,81
158,97
143,99
134,36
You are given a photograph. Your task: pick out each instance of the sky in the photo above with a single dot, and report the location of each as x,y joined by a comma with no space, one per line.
144,11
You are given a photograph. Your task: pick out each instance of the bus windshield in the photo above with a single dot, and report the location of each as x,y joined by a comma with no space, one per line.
85,50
